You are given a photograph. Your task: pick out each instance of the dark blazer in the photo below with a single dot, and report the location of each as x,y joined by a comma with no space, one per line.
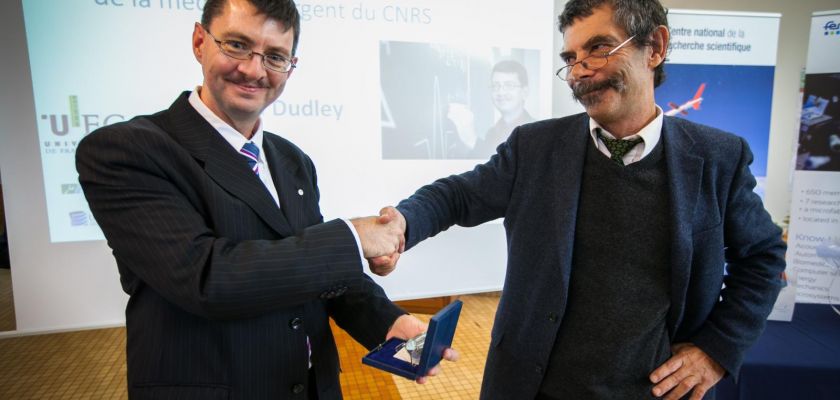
533,182
224,287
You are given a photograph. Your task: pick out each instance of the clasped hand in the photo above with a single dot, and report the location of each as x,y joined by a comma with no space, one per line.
383,239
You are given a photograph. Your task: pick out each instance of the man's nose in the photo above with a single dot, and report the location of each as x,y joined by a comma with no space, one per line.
579,71
253,67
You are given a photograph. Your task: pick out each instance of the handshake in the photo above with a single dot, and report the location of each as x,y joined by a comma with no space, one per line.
382,239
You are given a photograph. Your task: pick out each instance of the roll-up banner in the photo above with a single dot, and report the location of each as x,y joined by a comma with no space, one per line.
814,234
720,73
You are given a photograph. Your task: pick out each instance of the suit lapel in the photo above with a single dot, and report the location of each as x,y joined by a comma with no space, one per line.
289,188
569,157
685,172
222,163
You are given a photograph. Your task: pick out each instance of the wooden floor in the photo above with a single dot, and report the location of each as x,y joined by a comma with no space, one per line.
91,364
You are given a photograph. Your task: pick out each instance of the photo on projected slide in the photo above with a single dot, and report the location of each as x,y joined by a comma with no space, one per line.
819,124
445,102
732,98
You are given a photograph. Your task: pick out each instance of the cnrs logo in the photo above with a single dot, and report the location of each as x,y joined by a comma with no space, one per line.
77,122
831,28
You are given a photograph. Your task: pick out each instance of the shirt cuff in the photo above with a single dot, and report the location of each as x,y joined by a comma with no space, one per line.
358,242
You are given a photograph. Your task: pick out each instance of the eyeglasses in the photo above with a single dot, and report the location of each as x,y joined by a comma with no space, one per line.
506,86
240,51
591,62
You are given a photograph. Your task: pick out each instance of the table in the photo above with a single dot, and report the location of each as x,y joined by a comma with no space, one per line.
792,360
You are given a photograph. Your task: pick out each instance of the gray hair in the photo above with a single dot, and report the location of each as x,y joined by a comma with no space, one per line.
638,18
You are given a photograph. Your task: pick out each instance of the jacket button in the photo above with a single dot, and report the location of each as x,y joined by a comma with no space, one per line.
298,388
295,323
552,317
538,369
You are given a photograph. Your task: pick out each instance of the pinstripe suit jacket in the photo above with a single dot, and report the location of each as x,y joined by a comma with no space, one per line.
534,182
224,287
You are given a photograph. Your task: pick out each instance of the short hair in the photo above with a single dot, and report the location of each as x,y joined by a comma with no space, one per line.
510,66
283,11
636,17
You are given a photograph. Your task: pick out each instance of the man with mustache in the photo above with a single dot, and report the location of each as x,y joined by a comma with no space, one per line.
231,270
619,224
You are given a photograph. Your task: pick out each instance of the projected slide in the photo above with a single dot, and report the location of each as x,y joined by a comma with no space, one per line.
452,91
365,67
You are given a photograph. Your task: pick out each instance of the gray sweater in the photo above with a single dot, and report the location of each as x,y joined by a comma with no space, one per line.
614,332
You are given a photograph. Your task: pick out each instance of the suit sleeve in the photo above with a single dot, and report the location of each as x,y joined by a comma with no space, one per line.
365,311
366,314
160,238
754,253
468,199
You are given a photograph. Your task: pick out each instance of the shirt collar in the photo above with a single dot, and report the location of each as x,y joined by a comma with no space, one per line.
650,133
224,129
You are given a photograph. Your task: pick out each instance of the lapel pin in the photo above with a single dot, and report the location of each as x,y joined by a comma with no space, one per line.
300,192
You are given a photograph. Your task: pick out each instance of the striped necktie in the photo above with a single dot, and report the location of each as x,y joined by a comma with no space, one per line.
618,147
252,154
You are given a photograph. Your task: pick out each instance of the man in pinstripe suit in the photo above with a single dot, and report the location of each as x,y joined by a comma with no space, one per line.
215,226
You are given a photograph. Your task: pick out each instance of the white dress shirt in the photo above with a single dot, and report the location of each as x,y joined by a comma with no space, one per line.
236,141
650,134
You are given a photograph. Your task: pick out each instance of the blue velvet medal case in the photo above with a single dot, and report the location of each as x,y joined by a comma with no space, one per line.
438,338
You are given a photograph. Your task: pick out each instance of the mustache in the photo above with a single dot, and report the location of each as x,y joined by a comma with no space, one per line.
580,89
262,84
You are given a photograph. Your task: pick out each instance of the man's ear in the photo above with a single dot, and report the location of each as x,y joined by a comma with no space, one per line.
198,38
661,38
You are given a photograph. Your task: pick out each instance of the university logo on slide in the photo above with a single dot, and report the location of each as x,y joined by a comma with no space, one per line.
77,122
74,123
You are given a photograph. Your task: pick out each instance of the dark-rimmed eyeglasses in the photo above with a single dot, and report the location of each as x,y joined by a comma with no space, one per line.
591,62
240,51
